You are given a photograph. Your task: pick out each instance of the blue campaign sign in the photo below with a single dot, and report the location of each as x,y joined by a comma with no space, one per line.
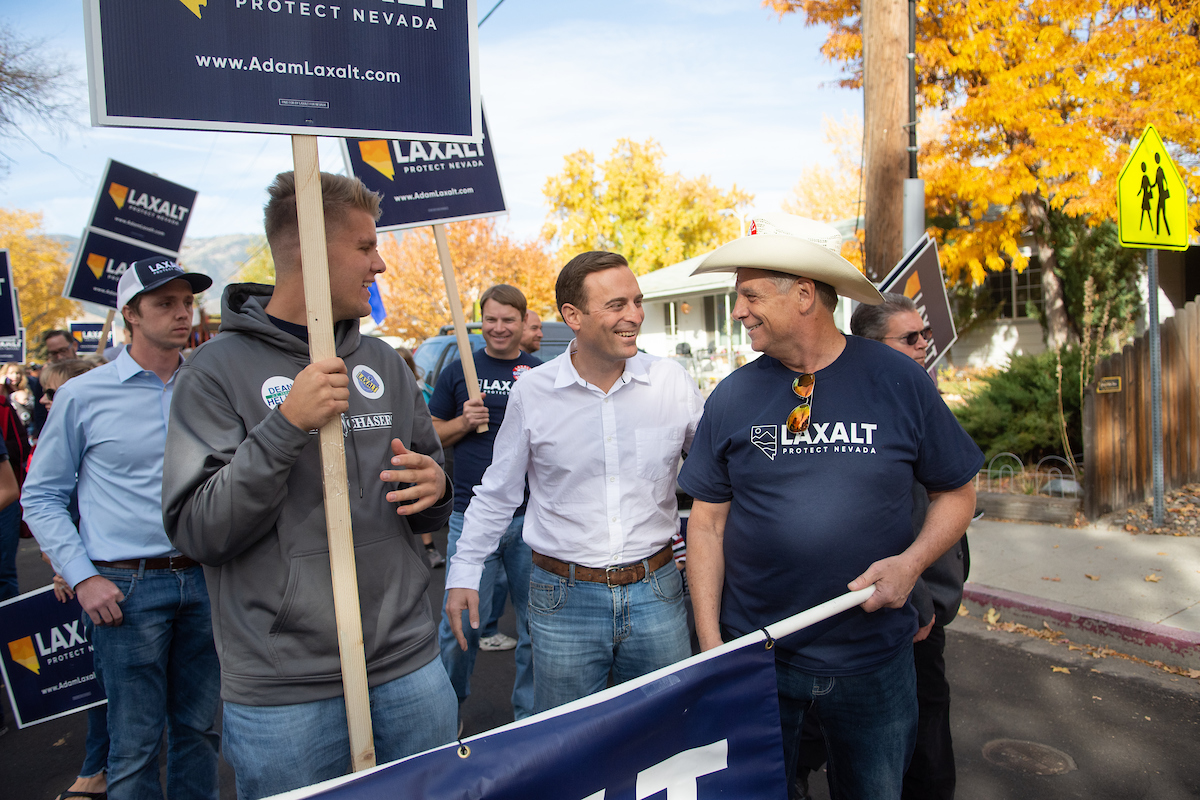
46,658
87,334
425,183
99,265
12,348
10,312
706,728
398,69
142,206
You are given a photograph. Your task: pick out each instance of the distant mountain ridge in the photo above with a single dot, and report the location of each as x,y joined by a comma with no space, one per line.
218,257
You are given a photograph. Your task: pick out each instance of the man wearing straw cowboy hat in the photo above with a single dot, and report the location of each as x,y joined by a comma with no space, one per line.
802,470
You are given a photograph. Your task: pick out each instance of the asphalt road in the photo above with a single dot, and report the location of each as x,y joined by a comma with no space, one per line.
1129,730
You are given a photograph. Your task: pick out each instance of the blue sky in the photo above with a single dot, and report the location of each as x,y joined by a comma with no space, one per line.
726,87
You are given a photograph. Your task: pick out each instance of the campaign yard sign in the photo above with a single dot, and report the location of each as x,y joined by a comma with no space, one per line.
919,277
426,183
10,313
397,69
99,265
46,658
142,206
12,348
707,727
87,335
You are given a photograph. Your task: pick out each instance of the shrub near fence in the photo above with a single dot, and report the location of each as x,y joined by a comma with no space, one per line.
1116,425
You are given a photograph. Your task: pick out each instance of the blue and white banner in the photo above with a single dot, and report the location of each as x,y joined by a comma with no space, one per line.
426,183
10,311
12,348
396,69
704,728
87,335
46,658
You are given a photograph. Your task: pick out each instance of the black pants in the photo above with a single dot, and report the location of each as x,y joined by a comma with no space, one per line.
931,774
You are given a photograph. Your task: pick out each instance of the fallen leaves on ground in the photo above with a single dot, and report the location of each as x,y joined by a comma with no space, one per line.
1063,670
1054,637
1152,579
991,616
1090,576
1056,580
1182,517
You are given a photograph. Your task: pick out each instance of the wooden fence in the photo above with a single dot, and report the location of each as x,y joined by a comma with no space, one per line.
1116,424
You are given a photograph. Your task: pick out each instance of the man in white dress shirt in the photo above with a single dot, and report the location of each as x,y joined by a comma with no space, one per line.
599,432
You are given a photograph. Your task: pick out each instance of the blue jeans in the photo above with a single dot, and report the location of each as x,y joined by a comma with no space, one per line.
10,538
869,722
514,557
159,669
95,758
274,749
582,631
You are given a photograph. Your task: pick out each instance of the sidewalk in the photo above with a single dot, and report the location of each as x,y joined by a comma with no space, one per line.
1033,573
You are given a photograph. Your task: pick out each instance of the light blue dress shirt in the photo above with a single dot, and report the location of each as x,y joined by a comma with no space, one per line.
106,434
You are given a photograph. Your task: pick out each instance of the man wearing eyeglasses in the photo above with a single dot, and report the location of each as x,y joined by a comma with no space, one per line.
60,345
802,470
938,592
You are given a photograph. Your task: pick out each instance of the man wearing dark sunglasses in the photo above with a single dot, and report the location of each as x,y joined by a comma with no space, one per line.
802,470
938,592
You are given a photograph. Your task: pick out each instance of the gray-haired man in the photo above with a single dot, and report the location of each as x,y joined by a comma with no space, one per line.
938,592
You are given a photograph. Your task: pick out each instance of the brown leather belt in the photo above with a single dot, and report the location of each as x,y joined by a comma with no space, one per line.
620,575
163,562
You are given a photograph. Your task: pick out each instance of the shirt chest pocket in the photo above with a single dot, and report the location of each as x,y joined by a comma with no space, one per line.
658,451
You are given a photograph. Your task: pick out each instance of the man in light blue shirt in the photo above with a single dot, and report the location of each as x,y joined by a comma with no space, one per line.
146,606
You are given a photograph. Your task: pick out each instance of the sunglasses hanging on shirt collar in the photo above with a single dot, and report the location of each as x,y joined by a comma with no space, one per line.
802,387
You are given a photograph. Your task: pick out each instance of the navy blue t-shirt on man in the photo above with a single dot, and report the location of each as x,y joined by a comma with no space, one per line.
473,452
810,512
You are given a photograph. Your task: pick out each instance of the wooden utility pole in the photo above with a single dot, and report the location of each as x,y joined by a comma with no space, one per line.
885,101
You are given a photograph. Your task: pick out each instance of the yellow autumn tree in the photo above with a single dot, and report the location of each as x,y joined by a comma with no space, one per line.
258,267
40,267
631,205
1040,102
830,192
414,292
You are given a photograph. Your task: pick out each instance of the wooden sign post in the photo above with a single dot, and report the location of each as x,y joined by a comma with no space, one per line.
106,330
460,320
315,261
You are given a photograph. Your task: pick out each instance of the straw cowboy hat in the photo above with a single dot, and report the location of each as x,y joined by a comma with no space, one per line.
797,246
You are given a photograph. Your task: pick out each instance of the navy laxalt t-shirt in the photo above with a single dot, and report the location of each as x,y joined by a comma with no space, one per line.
473,452
810,512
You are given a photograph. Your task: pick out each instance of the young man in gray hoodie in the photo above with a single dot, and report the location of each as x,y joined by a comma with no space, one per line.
242,495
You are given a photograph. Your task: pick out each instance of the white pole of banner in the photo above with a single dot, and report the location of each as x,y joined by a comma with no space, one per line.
460,320
315,261
797,622
108,321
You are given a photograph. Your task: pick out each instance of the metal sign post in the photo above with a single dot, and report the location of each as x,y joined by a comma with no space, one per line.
1156,428
1152,214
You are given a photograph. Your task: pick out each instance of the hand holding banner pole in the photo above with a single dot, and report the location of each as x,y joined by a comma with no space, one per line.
315,260
460,321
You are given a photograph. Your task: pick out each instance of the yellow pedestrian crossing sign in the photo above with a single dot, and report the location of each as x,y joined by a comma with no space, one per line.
1152,198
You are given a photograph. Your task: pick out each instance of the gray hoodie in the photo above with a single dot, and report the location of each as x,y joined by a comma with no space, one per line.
242,495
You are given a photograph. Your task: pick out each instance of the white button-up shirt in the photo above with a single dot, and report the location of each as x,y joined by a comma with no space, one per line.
601,466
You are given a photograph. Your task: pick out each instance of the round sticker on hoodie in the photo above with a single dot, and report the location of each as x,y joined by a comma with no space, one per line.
368,382
275,390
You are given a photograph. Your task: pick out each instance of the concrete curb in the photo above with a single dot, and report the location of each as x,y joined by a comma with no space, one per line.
1148,640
